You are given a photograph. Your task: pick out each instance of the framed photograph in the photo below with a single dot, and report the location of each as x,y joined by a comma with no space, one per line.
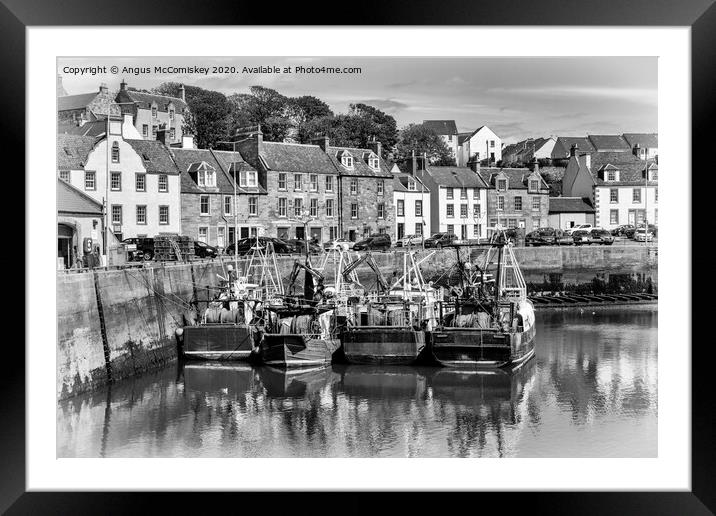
361,258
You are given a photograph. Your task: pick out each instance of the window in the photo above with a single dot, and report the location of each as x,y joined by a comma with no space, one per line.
636,195
411,184
329,183
115,183
164,215
476,211
354,186
314,182
172,133
313,208
492,143
518,203
65,175
613,195
656,193
463,193
500,202
227,204
141,214
493,222
534,184
374,162
401,208
140,182
347,161
381,210
449,194
203,234
536,205
253,206
536,223
163,183
381,187
450,210
90,183
115,152
418,228
354,211
297,181
329,207
451,229
656,216
154,132
511,223
463,211
145,130
611,175
247,178
476,230
221,236
476,193
613,216
116,214
204,205
297,207
154,111
418,208
281,206
171,114
281,180
502,184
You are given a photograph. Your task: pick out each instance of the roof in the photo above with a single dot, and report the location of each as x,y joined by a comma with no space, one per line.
156,156
442,127
94,128
72,151
608,142
72,200
145,100
400,184
645,140
456,177
570,205
631,168
296,157
564,144
360,162
461,137
70,102
517,177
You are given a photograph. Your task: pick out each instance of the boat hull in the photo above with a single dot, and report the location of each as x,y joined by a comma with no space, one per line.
219,342
382,345
481,347
296,350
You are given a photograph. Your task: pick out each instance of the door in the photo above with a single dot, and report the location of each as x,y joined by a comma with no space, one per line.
317,233
232,235
632,217
401,230
300,233
244,232
352,235
463,232
220,243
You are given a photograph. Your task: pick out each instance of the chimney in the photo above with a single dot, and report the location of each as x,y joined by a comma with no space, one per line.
182,91
535,165
163,134
251,141
103,88
636,151
187,141
122,86
588,160
573,150
375,146
322,141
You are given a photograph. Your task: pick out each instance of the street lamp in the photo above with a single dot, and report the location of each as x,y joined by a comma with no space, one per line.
304,218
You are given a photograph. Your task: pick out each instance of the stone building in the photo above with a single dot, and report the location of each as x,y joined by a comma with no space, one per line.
84,107
79,217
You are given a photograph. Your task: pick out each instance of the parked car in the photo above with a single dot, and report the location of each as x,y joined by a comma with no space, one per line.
409,240
338,242
439,240
298,246
543,236
140,248
244,245
585,227
642,235
622,230
374,242
601,236
203,250
581,237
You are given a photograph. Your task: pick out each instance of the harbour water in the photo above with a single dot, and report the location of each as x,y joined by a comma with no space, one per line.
590,391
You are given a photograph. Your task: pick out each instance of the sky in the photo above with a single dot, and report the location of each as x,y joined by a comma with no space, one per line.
517,98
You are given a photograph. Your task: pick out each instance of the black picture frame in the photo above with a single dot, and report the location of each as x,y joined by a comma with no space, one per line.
700,15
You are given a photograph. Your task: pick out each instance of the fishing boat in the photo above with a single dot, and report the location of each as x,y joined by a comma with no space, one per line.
389,326
231,326
302,330
488,320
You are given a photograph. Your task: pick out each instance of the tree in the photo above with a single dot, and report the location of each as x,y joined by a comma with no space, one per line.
302,111
262,106
380,125
422,139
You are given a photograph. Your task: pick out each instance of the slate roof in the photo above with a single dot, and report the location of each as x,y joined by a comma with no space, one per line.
72,200
94,128
400,184
360,162
72,151
144,100
70,102
294,157
227,160
156,156
442,127
645,140
631,168
461,137
517,178
608,142
564,144
456,177
570,205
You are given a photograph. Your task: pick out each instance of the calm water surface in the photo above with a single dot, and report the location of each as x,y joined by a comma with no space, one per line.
590,391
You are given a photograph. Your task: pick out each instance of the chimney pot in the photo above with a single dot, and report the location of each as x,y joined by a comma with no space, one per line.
103,88
573,150
322,141
122,85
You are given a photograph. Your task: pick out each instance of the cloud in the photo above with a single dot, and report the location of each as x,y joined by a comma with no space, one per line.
385,104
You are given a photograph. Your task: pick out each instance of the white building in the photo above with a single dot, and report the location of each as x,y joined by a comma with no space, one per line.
458,198
411,199
144,181
481,144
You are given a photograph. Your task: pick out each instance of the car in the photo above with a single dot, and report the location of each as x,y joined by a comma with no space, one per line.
298,246
140,248
581,237
338,243
245,245
204,250
642,235
586,227
379,241
409,240
621,230
601,236
543,236
630,232
439,240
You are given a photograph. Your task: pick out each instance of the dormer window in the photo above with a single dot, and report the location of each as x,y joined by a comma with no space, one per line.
374,162
534,185
612,175
170,108
411,184
347,160
502,184
247,178
207,177
154,111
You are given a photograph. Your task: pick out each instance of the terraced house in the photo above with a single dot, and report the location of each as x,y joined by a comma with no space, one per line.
138,179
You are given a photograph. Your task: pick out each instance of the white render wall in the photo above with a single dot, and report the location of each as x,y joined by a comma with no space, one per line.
456,220
603,206
409,219
479,143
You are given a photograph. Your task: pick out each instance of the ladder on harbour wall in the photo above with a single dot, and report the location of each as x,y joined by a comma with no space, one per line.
177,251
